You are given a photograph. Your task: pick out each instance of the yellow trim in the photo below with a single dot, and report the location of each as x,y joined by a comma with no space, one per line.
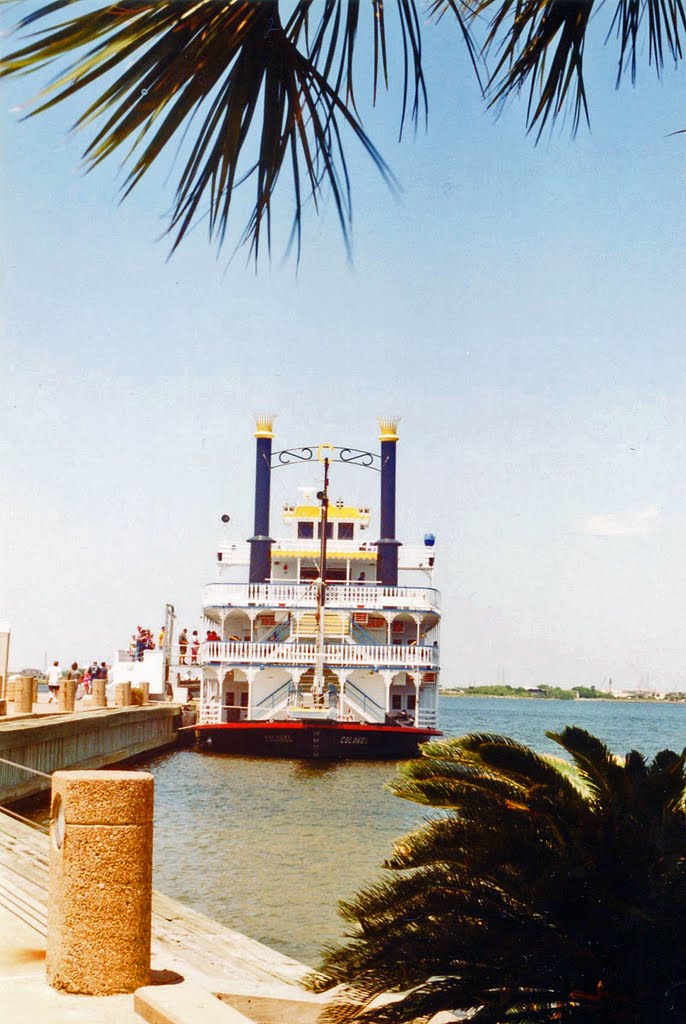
264,425
335,512
354,556
389,428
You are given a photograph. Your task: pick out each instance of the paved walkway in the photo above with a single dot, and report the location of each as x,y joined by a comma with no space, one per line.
26,997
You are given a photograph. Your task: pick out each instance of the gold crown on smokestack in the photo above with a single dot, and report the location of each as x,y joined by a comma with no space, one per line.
264,425
389,427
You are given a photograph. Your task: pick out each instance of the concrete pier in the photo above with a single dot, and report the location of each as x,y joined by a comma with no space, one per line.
87,739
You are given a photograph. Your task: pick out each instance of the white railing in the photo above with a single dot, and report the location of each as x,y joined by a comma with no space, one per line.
370,596
295,544
209,713
416,556
245,653
426,718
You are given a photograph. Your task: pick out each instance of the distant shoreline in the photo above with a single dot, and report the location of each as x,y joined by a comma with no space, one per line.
585,700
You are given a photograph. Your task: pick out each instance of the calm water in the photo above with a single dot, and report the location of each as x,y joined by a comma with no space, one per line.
269,847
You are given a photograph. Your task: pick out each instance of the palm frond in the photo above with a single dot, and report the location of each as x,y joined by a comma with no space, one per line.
538,47
525,911
262,96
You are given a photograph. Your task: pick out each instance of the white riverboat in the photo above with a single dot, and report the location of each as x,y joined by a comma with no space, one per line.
312,647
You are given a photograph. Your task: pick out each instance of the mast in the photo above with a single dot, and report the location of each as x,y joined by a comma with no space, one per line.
318,682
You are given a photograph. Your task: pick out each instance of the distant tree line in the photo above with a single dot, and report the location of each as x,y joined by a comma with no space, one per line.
541,692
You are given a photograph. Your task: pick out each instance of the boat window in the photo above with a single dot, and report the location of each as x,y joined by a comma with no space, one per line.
396,702
305,530
411,702
346,531
329,530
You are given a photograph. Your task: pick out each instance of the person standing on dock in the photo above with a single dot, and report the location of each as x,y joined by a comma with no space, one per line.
183,646
54,680
195,647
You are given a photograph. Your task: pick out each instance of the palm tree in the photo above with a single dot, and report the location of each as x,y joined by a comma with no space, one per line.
539,896
250,91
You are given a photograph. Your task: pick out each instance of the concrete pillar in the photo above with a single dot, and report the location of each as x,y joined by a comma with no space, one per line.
122,695
24,695
99,695
100,889
67,695
4,657
145,691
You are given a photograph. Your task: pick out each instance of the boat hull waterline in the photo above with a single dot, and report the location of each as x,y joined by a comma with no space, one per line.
315,740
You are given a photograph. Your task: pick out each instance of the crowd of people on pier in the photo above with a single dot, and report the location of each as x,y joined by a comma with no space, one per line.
83,677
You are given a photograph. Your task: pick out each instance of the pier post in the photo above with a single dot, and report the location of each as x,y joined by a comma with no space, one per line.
67,695
145,691
4,658
387,545
99,694
261,542
122,695
24,695
100,888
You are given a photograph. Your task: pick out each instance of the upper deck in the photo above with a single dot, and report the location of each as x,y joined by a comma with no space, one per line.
354,596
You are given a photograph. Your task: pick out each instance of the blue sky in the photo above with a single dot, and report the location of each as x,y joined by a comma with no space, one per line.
520,306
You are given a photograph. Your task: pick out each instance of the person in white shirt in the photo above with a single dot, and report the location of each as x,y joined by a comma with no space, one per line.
54,676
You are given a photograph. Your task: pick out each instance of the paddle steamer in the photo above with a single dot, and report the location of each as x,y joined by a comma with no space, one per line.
320,653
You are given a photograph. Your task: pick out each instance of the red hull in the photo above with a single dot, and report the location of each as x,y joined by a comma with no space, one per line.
320,740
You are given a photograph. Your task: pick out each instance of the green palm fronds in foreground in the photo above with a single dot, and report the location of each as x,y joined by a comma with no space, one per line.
532,899
256,88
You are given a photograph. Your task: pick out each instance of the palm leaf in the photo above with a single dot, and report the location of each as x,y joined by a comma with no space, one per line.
525,911
538,46
224,66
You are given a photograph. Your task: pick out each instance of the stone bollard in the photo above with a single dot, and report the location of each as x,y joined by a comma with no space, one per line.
100,889
145,690
99,695
3,708
23,701
11,687
35,690
67,695
122,695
